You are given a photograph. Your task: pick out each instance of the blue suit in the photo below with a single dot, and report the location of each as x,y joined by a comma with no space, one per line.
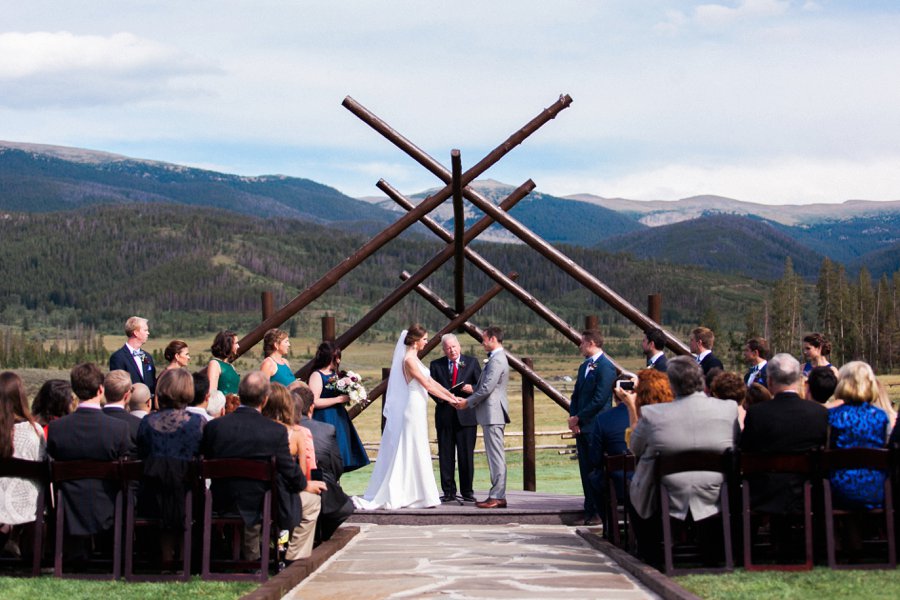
591,396
761,378
607,437
122,359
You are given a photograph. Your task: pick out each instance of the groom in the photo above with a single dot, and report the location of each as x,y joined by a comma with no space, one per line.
492,413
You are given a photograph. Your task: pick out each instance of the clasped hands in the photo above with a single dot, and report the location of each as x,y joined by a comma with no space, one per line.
458,403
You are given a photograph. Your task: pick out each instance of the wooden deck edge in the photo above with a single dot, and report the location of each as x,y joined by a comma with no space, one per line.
282,583
647,575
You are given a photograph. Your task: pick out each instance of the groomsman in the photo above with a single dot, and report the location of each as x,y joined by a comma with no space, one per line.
592,395
456,429
702,340
653,345
131,358
756,353
492,413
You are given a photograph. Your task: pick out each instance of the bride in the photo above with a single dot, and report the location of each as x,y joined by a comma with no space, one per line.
403,475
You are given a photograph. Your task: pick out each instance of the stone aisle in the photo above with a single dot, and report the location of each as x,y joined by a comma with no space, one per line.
469,562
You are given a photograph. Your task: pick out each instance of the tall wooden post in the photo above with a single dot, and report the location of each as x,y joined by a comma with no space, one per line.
459,230
328,334
268,305
591,322
654,307
529,458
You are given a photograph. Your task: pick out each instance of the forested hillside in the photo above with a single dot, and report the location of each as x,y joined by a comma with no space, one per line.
191,270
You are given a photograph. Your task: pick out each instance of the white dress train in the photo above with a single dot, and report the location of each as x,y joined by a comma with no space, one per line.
403,476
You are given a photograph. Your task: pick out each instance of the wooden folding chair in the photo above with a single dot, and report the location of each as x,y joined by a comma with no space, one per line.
132,472
763,463
39,473
617,508
238,468
71,470
876,459
682,462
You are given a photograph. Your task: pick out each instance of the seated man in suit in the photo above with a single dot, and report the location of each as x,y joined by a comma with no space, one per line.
139,403
131,358
117,389
607,437
88,434
785,424
756,354
693,421
336,504
653,344
701,343
246,433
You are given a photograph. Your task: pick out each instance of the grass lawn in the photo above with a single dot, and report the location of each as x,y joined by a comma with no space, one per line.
817,584
49,588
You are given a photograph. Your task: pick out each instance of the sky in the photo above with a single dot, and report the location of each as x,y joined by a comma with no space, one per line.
769,101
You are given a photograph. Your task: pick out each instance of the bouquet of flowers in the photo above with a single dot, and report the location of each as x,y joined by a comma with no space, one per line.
350,383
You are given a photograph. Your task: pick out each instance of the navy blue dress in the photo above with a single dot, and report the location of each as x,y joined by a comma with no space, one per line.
858,426
353,454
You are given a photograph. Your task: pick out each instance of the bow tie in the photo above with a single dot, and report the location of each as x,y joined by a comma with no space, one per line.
755,369
137,352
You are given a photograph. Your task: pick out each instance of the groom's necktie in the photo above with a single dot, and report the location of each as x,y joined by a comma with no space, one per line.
455,373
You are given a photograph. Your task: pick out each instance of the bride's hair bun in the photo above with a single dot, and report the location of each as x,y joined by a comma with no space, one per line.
415,333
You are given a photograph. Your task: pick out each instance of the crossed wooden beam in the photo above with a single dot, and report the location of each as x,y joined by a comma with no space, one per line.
456,184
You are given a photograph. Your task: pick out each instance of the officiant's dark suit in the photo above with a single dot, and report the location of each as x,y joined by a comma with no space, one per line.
456,429
246,433
124,359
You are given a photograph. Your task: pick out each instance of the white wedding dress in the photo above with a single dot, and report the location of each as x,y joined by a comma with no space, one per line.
403,476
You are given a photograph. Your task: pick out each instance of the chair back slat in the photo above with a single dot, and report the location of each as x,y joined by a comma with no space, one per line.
36,470
66,470
753,463
694,460
240,468
878,459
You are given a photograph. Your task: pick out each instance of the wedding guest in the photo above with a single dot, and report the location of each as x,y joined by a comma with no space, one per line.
88,434
276,346
336,504
884,403
820,385
329,403
649,387
20,437
232,402
280,408
139,404
216,406
132,358
117,391
221,373
177,354
53,401
168,440
730,386
816,350
755,394
200,400
857,423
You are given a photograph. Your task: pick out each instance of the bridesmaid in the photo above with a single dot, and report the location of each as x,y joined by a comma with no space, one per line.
817,351
329,406
222,376
177,354
275,346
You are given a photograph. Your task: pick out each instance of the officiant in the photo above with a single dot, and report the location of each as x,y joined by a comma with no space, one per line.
456,429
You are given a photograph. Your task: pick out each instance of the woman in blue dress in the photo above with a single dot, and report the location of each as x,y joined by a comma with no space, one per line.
857,424
276,345
816,350
329,405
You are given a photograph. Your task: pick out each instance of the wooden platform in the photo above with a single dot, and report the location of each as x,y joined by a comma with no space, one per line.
531,508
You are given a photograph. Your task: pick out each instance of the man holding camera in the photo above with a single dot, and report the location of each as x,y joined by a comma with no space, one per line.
592,395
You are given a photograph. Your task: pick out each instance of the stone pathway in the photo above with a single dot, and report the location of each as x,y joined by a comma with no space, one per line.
465,562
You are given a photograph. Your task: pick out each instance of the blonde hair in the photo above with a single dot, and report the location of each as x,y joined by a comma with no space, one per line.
133,324
857,384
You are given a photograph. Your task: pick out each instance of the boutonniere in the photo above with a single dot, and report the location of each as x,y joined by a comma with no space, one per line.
591,366
461,364
485,361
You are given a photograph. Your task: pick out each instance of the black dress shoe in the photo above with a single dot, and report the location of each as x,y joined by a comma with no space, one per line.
465,498
448,498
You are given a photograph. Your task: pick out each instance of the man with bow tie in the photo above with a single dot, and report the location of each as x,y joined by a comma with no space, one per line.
456,429
592,395
131,358
756,351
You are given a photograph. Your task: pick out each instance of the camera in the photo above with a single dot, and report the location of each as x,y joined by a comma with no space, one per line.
625,384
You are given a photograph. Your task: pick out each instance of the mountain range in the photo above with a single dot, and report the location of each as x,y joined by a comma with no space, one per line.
716,233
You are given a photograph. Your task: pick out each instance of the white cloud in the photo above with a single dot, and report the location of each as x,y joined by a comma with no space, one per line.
65,69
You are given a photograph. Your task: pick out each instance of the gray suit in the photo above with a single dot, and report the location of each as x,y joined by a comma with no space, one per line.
492,413
694,422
